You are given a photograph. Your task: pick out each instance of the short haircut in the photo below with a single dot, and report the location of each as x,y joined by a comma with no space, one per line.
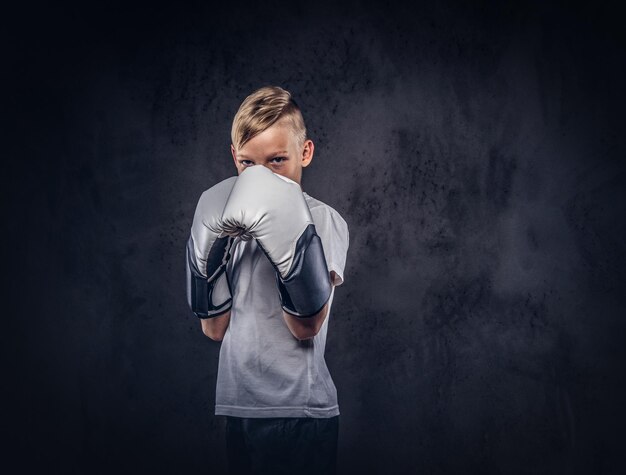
261,109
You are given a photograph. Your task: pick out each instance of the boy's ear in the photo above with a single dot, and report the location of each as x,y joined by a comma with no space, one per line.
232,152
307,152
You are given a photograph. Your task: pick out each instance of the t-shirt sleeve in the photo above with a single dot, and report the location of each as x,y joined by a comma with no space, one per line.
333,231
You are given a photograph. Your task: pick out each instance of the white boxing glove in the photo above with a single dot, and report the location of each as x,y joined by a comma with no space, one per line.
272,209
208,251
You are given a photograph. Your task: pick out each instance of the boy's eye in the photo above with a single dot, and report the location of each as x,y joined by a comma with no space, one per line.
246,163
278,159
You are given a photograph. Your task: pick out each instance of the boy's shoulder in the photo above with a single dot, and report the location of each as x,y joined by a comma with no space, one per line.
319,207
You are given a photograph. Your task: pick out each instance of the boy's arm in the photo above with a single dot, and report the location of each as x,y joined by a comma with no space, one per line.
215,327
307,328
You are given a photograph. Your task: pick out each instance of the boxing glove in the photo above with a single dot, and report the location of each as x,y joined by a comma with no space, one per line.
208,251
272,209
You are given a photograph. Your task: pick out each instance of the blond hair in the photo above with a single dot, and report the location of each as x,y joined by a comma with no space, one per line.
263,108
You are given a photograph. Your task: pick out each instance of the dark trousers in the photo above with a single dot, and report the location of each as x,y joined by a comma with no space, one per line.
277,445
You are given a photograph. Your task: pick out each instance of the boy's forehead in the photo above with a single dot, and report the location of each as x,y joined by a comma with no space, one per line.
272,140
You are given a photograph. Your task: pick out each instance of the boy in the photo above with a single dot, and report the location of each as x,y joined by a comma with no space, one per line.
263,260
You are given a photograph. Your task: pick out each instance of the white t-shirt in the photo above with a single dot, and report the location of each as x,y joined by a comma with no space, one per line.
264,371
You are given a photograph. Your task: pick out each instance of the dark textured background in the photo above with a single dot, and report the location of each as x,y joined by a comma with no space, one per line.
475,149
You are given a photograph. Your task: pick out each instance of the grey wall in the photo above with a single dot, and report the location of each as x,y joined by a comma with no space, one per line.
476,152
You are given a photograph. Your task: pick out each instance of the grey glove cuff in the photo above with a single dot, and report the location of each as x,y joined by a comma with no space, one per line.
307,287
209,297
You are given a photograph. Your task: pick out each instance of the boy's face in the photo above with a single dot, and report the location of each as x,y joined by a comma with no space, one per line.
276,149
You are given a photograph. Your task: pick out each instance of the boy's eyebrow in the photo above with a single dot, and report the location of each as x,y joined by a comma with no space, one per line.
270,155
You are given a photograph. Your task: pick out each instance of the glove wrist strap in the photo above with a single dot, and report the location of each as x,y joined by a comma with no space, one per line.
307,288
